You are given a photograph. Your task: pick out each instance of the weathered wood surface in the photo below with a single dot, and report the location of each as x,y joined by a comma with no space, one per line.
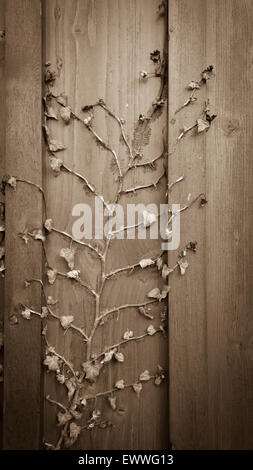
22,353
210,342
2,162
100,48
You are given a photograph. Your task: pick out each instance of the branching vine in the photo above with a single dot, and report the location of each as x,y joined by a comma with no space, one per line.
70,417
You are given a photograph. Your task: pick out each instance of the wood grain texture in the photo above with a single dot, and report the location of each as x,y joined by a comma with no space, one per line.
22,356
211,386
2,172
102,46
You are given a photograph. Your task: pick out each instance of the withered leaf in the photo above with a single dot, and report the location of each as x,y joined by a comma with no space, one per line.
26,314
70,384
51,275
74,430
148,218
120,384
63,418
146,262
50,113
68,254
113,402
183,265
151,330
92,370
48,224
74,274
52,362
144,376
66,321
137,388
128,334
56,164
119,356
202,125
108,356
55,146
65,114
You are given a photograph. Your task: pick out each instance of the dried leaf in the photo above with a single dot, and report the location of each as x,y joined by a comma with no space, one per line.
145,376
159,263
24,236
11,181
202,125
108,356
70,384
143,312
183,265
113,401
65,114
154,293
192,246
56,164
148,218
137,388
68,254
74,431
120,384
26,314
164,292
143,74
60,378
193,85
44,312
63,418
151,330
74,274
52,362
83,402
48,225
146,262
119,356
166,271
66,321
128,334
55,146
51,301
92,371
50,113
62,99
51,275
155,56
38,235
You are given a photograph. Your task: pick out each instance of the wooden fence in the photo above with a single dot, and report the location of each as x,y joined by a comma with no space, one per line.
97,49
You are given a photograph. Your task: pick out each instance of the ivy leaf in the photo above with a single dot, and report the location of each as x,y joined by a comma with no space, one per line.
155,56
38,235
143,312
154,293
56,164
160,376
70,384
166,271
128,334
183,265
52,362
26,314
164,292
68,254
193,85
11,181
108,356
66,321
119,356
159,263
63,418
151,330
51,275
84,402
202,125
148,218
146,262
74,274
92,371
113,401
137,388
145,376
62,99
51,301
74,430
44,312
65,114
50,113
120,384
48,224
55,146
60,378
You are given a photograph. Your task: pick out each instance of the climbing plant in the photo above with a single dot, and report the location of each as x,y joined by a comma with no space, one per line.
80,410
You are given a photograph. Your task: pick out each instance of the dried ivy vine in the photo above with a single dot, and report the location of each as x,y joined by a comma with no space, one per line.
82,411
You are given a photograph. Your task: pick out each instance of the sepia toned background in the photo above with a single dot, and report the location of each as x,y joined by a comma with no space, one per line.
98,48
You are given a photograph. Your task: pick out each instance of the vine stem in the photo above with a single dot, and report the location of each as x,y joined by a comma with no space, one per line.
105,313
79,242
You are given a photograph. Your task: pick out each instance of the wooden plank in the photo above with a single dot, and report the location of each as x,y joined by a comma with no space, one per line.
23,211
2,172
210,327
102,46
